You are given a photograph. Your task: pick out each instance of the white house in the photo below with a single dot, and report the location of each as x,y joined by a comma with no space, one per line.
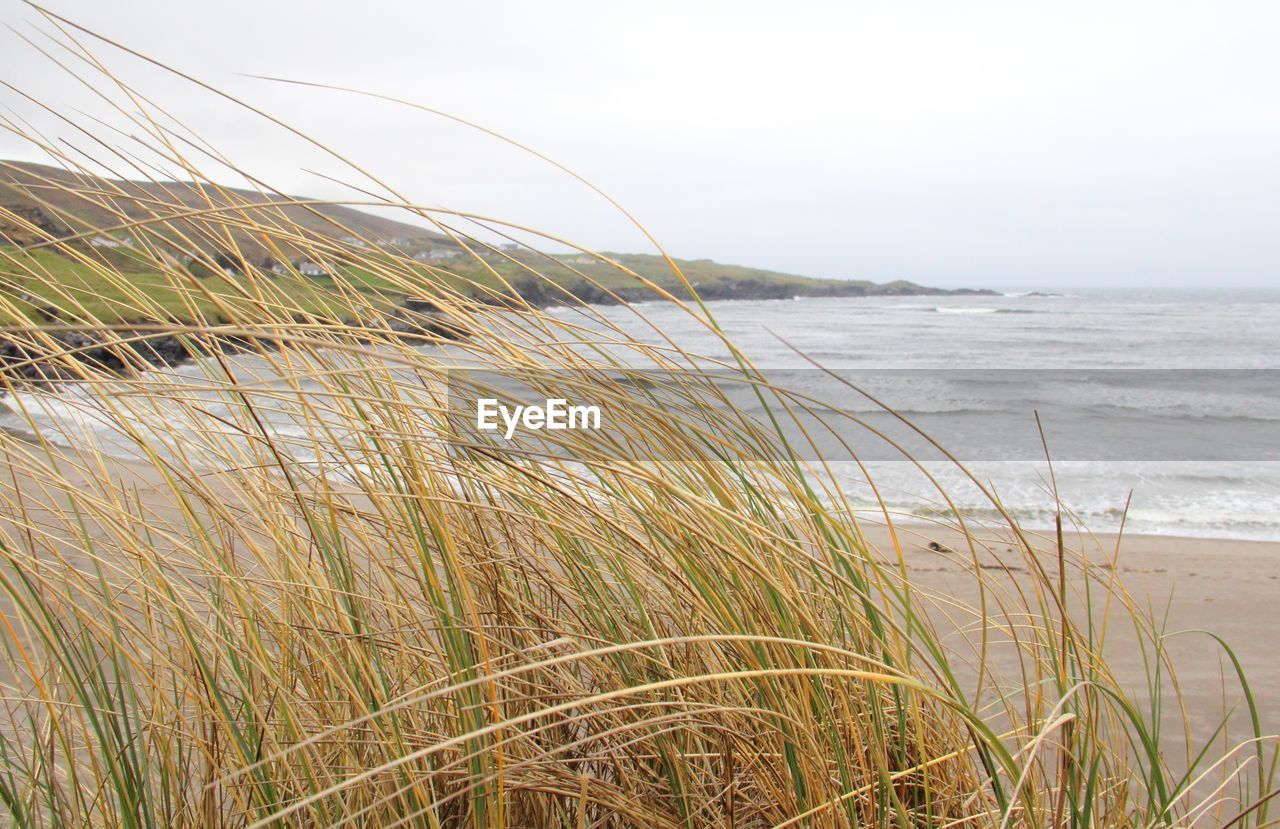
437,255
309,268
108,242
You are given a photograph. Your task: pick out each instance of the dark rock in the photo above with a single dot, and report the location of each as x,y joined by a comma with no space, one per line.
745,289
32,360
591,294
532,290
18,230
167,350
423,318
418,305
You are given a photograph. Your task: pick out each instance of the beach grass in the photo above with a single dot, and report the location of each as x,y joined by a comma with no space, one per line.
382,618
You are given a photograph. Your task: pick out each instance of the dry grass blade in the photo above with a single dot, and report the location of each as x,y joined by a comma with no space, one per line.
256,572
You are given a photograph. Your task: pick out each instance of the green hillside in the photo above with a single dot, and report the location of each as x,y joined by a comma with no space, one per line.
225,249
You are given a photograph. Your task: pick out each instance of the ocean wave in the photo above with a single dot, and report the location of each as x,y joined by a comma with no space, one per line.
858,406
944,310
1242,520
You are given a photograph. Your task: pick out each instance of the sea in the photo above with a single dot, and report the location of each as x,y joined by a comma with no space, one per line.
1157,411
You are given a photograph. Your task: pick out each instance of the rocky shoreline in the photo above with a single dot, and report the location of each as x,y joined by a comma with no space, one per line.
750,289
539,294
23,361
26,361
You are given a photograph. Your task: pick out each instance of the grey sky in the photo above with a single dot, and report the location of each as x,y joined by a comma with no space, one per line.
991,144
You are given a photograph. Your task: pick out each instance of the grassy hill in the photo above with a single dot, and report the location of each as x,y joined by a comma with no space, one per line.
85,203
111,268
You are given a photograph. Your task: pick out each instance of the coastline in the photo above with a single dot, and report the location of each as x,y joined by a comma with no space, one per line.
130,345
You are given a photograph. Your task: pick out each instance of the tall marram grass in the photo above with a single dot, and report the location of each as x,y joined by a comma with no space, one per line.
374,618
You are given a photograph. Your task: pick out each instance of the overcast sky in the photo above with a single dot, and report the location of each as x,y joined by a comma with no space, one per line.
1012,145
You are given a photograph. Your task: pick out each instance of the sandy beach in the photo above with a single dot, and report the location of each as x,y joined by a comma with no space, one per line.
1187,585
